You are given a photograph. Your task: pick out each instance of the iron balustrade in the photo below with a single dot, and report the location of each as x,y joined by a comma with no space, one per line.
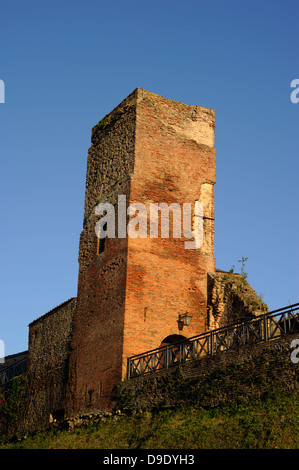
264,327
12,371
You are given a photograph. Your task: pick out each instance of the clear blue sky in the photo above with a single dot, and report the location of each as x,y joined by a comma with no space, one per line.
66,63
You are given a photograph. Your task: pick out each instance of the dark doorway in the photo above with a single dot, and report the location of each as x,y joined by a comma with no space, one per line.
172,355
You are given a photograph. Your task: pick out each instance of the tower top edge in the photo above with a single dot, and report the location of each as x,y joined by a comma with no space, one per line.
139,94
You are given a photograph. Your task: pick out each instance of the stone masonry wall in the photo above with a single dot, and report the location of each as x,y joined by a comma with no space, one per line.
228,377
230,299
97,340
175,163
47,373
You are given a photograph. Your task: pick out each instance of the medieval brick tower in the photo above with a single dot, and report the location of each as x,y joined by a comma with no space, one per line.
131,290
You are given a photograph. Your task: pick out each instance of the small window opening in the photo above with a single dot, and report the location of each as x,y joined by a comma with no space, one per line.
101,248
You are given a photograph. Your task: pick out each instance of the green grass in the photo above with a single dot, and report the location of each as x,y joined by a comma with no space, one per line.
268,423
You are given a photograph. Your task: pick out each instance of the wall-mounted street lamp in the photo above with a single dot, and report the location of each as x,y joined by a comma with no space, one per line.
184,320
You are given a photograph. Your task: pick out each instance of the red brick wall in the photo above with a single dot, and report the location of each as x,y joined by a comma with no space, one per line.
163,278
129,297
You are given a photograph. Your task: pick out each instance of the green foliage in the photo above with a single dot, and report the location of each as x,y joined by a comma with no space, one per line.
10,412
237,406
111,118
269,422
123,397
243,272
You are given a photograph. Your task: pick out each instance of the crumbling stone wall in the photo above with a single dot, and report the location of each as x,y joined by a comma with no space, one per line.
230,299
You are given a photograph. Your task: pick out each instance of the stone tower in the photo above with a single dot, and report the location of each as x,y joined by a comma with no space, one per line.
131,290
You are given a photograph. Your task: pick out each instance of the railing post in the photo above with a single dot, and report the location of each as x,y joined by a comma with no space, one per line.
266,334
212,343
128,368
181,354
167,357
246,333
284,324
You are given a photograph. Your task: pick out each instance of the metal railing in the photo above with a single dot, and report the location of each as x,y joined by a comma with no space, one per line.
262,328
12,371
